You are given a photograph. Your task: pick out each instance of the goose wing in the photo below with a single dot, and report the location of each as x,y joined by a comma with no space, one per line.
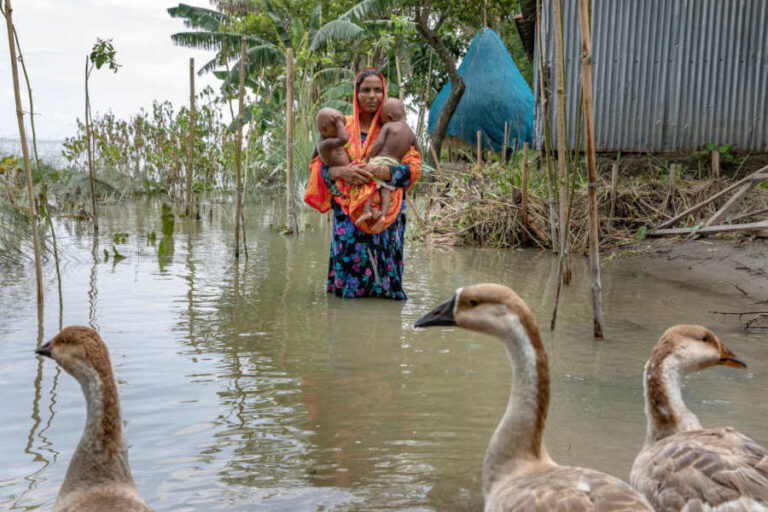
701,468
565,489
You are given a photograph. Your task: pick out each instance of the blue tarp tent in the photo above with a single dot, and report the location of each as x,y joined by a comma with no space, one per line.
495,93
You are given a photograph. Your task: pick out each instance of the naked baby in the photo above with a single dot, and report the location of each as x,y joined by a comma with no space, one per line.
394,141
330,147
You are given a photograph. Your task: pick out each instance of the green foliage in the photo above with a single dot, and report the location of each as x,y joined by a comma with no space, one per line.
723,149
168,220
103,52
147,153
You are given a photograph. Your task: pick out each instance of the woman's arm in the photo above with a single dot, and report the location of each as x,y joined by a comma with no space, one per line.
351,174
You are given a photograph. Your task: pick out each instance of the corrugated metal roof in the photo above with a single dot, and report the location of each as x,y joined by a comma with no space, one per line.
668,74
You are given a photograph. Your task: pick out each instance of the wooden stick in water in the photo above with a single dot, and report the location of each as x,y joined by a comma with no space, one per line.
191,150
238,153
589,123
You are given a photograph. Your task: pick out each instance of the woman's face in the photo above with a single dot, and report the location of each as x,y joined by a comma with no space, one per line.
370,93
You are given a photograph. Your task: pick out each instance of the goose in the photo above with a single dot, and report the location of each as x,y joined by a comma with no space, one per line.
682,466
98,478
518,473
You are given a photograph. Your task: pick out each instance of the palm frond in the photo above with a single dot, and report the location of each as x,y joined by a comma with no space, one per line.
343,90
214,40
367,9
213,64
256,58
344,107
336,30
297,32
198,17
317,17
335,74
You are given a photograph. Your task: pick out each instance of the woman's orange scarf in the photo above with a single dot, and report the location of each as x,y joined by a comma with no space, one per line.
353,198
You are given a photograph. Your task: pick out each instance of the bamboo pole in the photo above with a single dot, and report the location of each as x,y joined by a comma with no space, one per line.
562,147
238,153
525,185
736,198
24,152
614,183
479,150
504,143
437,161
589,122
291,213
191,153
715,164
545,126
725,228
44,193
89,143
563,269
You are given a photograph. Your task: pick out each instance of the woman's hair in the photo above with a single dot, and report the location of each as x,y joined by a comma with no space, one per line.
366,73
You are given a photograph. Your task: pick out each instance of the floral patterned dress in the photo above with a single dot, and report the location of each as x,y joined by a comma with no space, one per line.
364,265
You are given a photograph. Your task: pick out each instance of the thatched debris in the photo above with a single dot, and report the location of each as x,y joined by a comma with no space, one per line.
484,208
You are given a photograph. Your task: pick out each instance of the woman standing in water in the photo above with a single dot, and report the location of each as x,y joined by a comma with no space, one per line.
362,263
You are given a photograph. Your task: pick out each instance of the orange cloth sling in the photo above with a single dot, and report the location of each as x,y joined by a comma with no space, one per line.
353,198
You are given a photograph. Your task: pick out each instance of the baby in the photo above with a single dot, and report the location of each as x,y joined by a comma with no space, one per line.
393,142
330,147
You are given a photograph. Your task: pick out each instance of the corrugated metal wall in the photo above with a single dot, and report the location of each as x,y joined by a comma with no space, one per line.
668,74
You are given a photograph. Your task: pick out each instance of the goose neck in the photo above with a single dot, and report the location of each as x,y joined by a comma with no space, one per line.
101,454
665,409
517,442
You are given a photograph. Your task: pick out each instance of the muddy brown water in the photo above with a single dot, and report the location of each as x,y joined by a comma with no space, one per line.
248,387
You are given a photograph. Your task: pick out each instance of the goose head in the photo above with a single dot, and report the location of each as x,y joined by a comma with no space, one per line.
694,348
488,308
80,351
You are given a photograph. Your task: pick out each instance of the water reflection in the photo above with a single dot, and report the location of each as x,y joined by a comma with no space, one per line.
244,384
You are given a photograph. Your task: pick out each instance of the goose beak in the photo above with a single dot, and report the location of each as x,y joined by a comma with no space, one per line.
728,358
44,350
441,315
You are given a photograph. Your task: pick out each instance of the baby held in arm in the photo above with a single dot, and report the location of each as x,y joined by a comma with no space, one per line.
330,147
393,142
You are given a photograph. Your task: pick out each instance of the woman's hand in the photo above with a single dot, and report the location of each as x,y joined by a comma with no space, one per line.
352,174
380,172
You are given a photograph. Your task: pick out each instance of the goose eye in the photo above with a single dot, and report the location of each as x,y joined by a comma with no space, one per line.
705,338
473,302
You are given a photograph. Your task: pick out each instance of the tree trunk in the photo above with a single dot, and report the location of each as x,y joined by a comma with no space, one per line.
290,222
589,122
238,153
191,154
422,107
88,137
24,152
457,84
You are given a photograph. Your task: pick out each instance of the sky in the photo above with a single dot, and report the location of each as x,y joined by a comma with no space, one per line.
56,36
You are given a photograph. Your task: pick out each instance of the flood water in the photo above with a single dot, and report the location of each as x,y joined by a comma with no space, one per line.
245,386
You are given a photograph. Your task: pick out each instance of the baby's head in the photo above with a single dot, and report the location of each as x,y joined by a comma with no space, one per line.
326,121
392,110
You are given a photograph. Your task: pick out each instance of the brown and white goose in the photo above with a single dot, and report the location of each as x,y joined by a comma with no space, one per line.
98,478
683,467
518,473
